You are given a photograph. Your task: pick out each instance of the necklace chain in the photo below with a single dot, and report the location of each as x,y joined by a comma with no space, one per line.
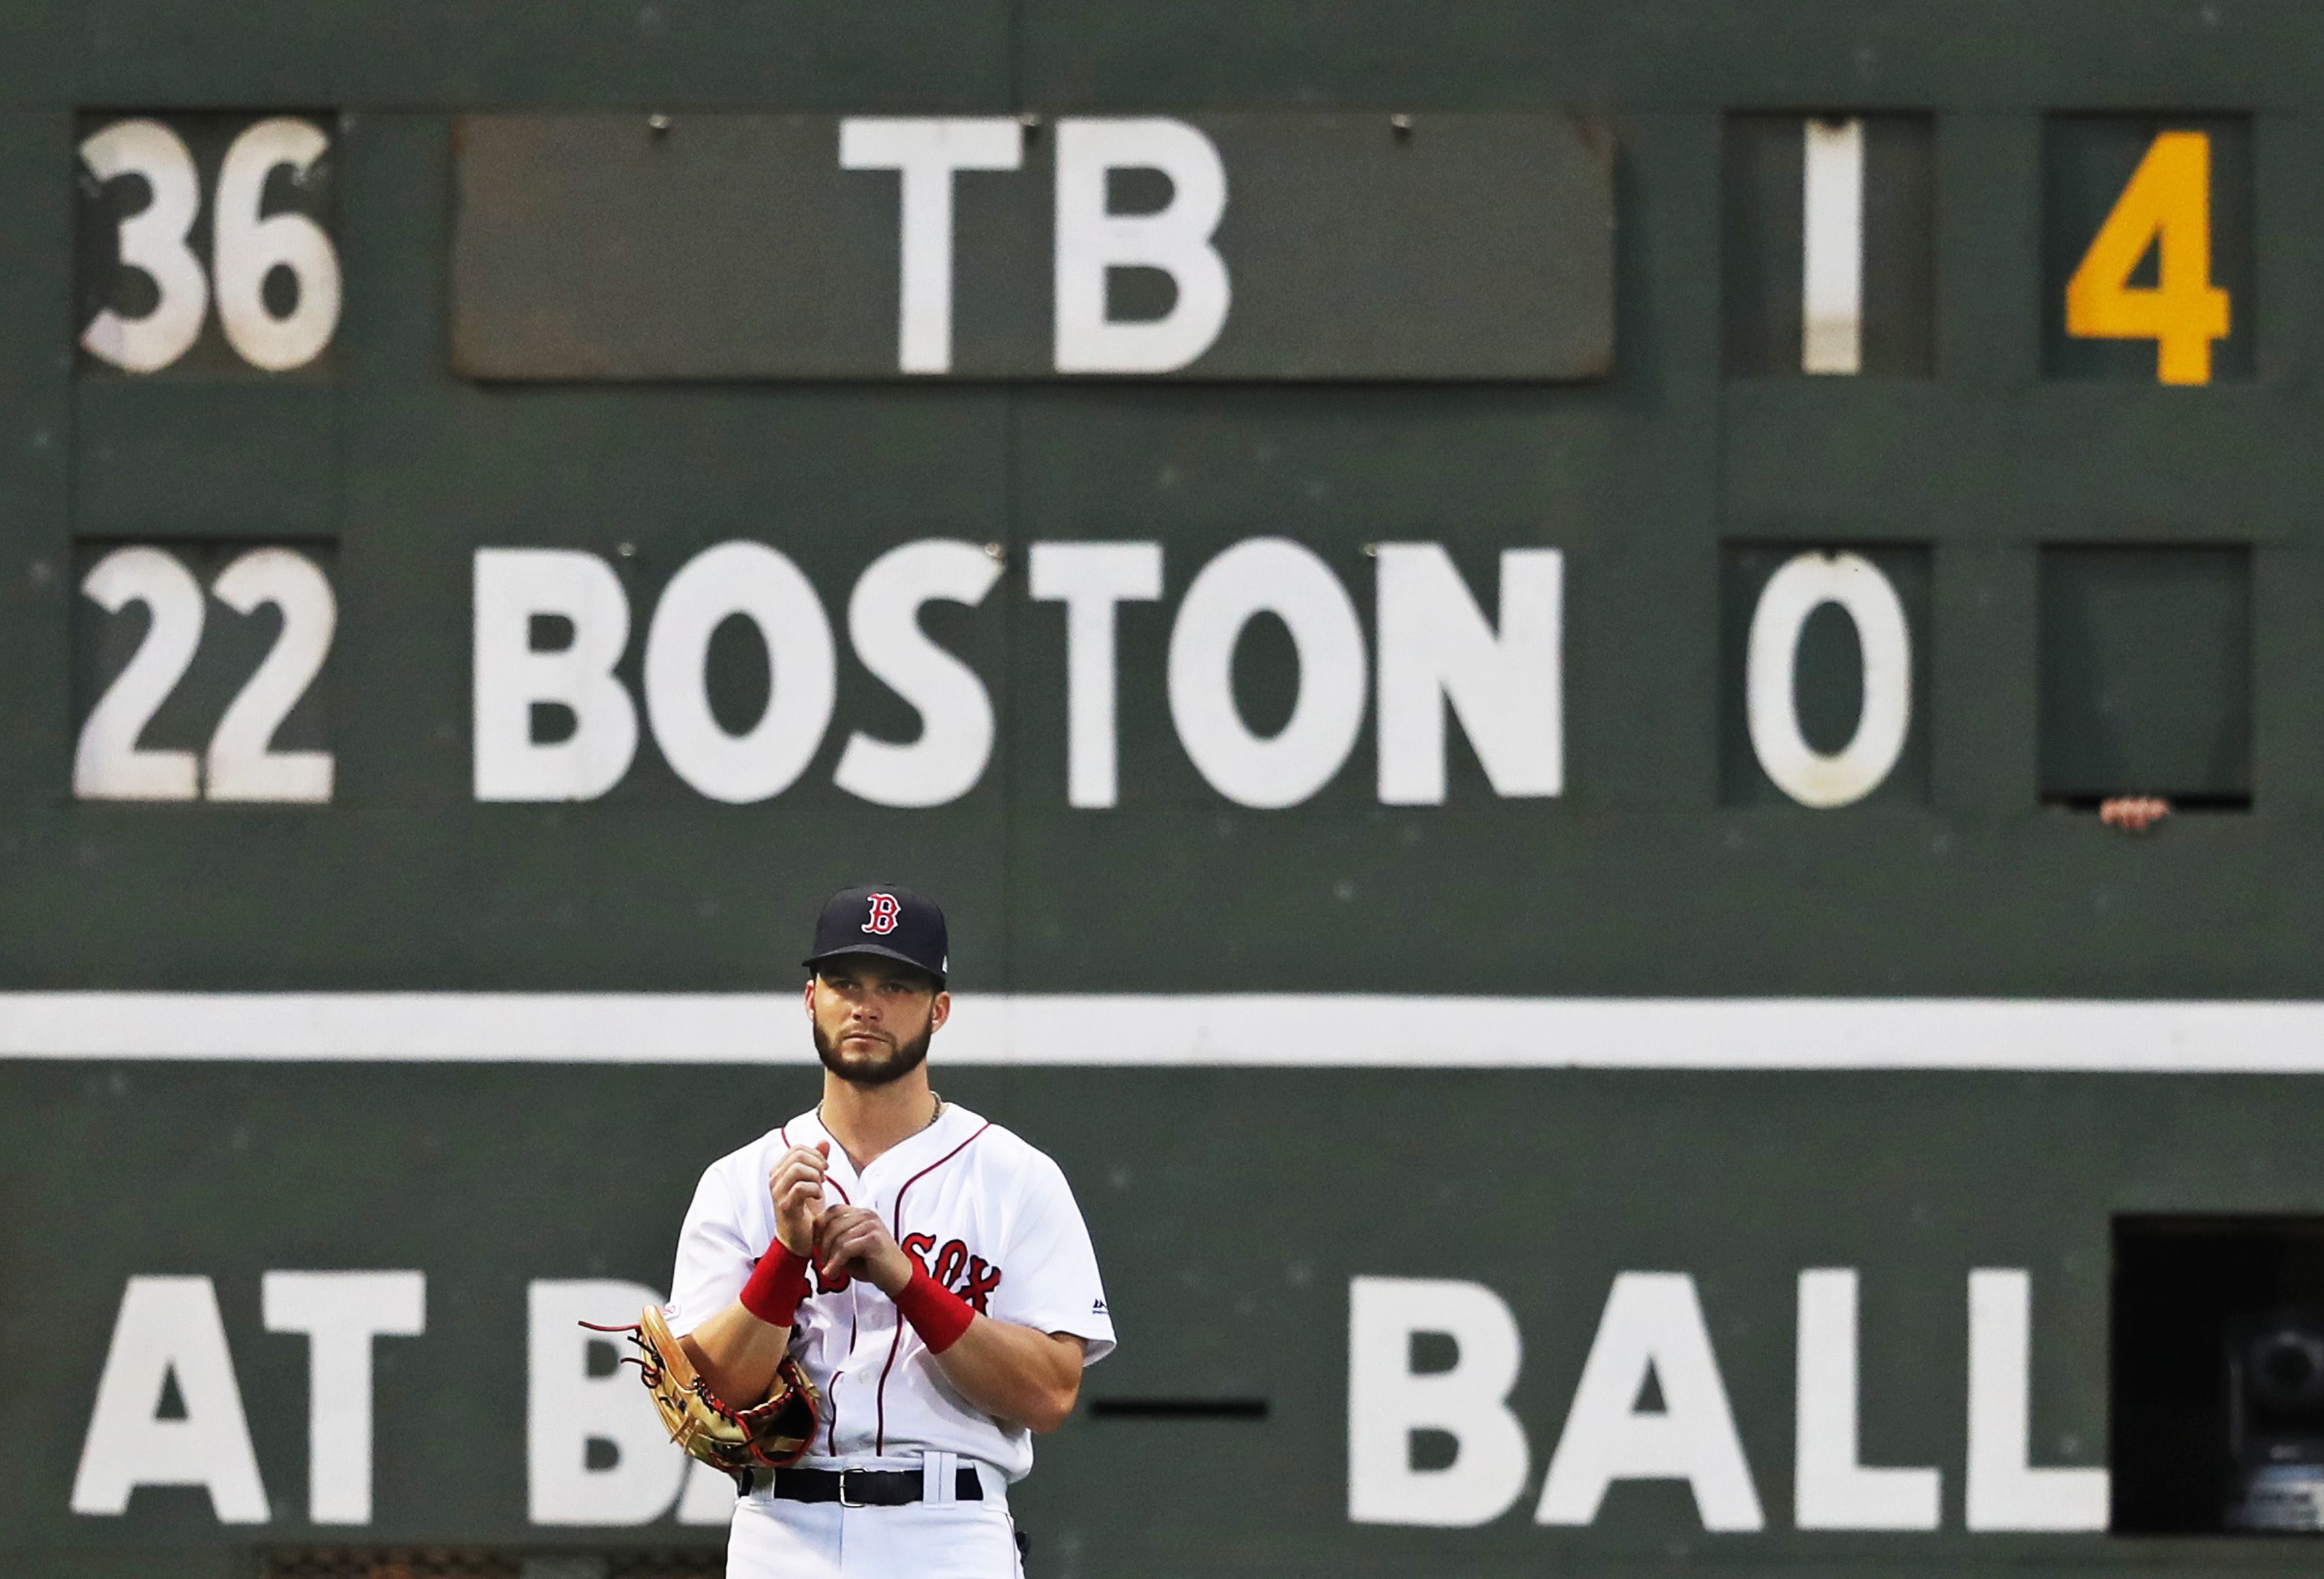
935,1111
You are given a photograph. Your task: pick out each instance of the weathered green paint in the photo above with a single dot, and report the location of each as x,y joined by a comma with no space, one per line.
1231,1207
410,469
1230,1210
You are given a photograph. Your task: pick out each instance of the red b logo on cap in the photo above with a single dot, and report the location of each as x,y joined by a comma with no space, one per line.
883,914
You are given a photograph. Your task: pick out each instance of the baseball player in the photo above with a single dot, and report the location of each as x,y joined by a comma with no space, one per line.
927,1270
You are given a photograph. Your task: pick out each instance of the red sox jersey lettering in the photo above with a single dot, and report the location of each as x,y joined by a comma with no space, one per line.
967,1275
965,1199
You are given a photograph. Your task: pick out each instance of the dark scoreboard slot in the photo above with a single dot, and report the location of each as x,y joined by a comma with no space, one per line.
2179,803
2144,660
1180,1409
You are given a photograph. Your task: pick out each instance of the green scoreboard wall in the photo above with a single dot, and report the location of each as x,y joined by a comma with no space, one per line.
1503,628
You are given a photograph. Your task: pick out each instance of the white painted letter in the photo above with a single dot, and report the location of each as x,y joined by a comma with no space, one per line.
1805,584
513,585
708,1499
883,621
1090,579
1652,1326
169,1326
1435,644
1091,239
341,1313
2004,1492
1387,1401
752,580
1277,577
1832,1488
926,152
567,1408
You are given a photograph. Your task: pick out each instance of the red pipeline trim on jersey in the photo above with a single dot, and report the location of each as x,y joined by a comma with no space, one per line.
895,1343
831,1393
784,1134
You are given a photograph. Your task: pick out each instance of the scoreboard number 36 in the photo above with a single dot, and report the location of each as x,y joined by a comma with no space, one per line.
182,214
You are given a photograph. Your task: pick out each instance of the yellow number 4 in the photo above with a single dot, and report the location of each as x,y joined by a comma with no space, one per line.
2168,205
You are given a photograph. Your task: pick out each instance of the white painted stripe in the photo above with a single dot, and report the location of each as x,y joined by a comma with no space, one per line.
1831,247
1165,1031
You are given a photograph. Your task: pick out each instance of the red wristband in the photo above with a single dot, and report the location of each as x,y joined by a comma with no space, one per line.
937,1314
777,1283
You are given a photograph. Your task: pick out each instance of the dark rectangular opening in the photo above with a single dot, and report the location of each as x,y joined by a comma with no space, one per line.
2217,1387
2146,675
2179,803
1885,245
1180,1409
489,1563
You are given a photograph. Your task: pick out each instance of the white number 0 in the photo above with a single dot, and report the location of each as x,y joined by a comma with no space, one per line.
241,763
246,248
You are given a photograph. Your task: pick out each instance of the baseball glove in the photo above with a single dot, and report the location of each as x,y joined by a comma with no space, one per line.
768,1434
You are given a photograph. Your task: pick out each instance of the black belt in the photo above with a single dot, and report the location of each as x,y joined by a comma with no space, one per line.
862,1488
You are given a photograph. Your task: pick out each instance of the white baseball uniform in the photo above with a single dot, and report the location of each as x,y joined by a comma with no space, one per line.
991,1219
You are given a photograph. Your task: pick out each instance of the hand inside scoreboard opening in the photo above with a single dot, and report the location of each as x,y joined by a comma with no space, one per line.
2133,814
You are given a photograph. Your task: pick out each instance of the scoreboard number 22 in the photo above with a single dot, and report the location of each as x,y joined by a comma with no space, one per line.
244,760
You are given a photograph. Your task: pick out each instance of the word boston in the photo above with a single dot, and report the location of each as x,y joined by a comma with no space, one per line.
1440,653
1221,247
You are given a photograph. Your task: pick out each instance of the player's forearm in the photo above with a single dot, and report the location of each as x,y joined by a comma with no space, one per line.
1016,1372
739,1350
737,1354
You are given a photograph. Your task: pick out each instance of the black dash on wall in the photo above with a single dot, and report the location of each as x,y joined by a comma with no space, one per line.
1180,1409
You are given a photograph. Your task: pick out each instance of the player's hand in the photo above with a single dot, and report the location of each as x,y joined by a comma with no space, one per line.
2133,814
796,1186
851,1242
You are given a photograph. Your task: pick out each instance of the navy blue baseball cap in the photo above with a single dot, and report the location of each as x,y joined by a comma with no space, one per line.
894,923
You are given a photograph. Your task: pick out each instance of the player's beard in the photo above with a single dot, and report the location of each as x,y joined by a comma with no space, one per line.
901,1059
